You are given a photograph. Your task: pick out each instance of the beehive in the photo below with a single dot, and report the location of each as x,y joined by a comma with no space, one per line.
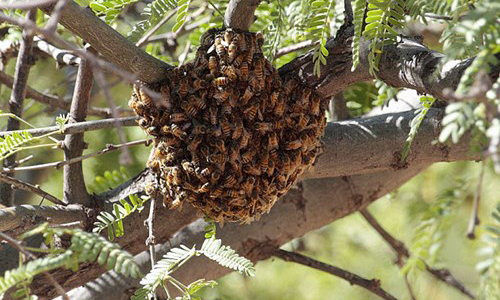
230,136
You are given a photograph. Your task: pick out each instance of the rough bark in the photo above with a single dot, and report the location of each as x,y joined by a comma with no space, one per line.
240,14
110,44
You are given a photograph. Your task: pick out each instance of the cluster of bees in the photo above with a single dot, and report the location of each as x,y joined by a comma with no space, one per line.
231,136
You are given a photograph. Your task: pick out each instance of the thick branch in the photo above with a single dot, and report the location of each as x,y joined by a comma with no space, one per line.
240,14
410,64
110,44
315,203
293,215
74,187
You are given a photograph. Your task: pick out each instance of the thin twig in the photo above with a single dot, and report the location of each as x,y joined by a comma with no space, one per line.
56,102
30,188
59,164
395,244
148,34
292,48
74,187
125,157
79,127
26,5
184,54
23,65
372,285
51,25
441,274
17,245
474,218
150,241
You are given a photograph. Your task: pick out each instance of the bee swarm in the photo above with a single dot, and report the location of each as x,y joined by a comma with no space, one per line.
230,136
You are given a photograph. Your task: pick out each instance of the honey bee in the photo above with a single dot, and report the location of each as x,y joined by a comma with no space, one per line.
219,48
248,184
213,114
188,168
293,145
240,39
229,181
219,145
216,192
190,109
248,155
215,176
154,164
197,84
270,168
198,102
259,37
165,97
152,130
272,141
315,106
217,159
143,96
206,172
212,65
238,130
232,50
286,163
290,86
246,96
178,117
221,81
183,88
239,61
252,170
279,109
222,96
207,38
225,126
174,175
205,188
230,72
303,121
251,112
233,193
245,138
171,141
258,70
306,94
226,108
228,36
178,132
264,161
264,127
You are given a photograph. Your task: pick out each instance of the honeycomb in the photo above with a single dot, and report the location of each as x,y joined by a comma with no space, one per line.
230,135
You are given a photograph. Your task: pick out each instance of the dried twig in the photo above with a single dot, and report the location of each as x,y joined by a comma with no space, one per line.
59,164
80,127
150,241
74,187
402,252
17,245
56,102
23,65
292,48
372,285
474,218
30,188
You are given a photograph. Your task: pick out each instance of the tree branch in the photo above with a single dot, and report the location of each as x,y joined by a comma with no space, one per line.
12,182
240,14
312,205
80,127
111,44
372,285
23,65
293,215
402,252
74,187
54,101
